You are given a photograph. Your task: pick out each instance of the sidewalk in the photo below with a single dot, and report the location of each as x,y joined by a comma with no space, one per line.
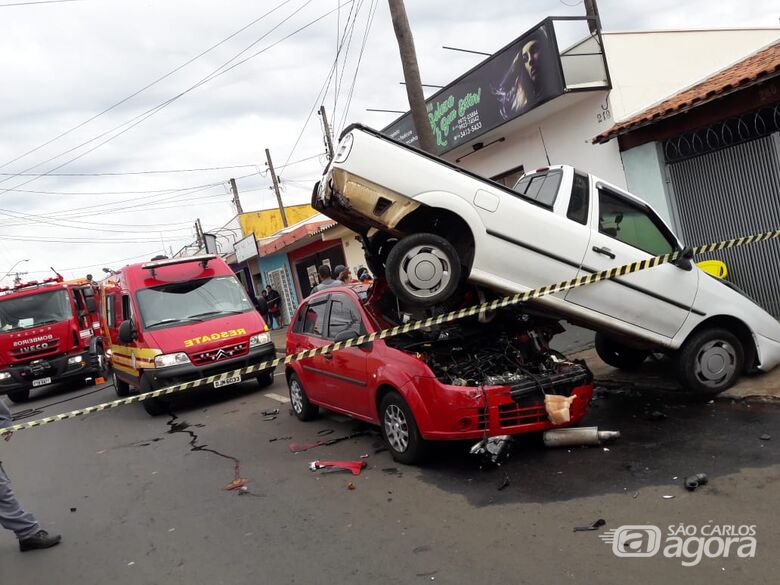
279,337
655,375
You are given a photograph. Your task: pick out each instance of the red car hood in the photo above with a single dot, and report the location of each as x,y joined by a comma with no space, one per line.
205,335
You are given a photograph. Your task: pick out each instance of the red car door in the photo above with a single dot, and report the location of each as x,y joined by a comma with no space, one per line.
348,385
311,335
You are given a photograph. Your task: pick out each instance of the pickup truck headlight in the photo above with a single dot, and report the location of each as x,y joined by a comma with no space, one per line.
4,376
171,359
259,339
76,359
344,147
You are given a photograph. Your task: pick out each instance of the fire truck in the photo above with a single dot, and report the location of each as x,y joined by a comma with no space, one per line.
49,333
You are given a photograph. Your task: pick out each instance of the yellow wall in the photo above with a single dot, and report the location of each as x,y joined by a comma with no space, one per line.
269,221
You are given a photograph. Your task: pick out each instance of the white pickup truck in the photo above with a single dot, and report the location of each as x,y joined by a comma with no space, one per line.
432,225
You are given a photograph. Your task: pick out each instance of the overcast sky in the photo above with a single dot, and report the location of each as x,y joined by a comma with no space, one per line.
63,63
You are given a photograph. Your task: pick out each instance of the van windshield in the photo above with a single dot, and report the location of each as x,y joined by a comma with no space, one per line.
34,310
202,299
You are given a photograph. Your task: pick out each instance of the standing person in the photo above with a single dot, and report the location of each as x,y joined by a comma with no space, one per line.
326,279
261,304
346,276
274,300
12,517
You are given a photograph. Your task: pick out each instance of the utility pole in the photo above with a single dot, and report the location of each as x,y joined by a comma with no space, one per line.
326,127
276,186
414,92
236,199
591,9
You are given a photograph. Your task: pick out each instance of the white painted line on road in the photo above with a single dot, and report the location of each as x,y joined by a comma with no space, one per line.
277,397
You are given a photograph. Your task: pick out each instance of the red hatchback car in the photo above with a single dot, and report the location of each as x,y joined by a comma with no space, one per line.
466,380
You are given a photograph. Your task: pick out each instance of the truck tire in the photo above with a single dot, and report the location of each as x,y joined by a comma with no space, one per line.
399,430
710,361
265,378
19,396
423,269
121,388
618,355
155,406
301,406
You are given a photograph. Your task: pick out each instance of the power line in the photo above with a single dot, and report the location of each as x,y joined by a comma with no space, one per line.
123,173
369,22
36,2
153,83
142,117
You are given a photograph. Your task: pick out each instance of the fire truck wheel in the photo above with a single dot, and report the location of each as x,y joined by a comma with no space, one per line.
122,388
19,396
266,378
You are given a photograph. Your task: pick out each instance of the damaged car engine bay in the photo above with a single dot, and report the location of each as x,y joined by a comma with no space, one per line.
511,349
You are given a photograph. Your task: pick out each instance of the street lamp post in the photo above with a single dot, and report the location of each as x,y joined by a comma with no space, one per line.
14,266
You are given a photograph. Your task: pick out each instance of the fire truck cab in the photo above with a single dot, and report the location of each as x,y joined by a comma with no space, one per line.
49,332
175,320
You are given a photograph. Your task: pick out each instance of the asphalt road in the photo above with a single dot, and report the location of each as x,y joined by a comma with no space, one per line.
140,500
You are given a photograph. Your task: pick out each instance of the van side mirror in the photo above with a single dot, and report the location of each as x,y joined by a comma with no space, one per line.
683,261
127,331
91,304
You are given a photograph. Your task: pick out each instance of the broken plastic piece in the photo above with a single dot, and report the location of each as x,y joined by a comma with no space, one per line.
354,466
765,437
693,481
578,436
595,525
494,449
270,412
236,484
557,408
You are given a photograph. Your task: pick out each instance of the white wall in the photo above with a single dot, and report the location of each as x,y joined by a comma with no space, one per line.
353,251
567,135
647,67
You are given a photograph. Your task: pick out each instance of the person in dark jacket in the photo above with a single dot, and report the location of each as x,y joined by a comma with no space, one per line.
261,304
12,516
274,300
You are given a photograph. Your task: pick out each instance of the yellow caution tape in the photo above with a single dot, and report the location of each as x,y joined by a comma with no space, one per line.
402,329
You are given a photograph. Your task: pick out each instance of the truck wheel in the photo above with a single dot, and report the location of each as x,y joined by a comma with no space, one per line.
19,396
710,361
400,431
155,406
301,406
122,389
265,378
618,355
423,269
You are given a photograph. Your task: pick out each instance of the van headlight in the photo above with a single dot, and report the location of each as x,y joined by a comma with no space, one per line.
4,376
259,339
344,148
171,359
76,359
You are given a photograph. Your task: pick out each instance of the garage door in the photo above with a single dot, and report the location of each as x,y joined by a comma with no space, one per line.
730,192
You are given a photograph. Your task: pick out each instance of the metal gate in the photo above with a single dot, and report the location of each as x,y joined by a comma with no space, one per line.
280,281
731,192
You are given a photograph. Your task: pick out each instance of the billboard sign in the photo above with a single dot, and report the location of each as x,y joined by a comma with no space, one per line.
521,76
245,248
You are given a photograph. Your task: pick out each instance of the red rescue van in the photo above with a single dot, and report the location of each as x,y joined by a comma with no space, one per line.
175,320
49,332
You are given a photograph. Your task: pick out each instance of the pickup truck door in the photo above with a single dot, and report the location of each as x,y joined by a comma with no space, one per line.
658,299
538,236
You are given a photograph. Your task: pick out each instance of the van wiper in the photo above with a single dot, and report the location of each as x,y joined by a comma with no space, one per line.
210,313
169,321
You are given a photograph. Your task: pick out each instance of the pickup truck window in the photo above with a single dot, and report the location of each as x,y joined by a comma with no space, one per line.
631,224
580,199
540,187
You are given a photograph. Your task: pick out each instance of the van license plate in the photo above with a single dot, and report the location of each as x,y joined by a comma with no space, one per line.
41,382
227,381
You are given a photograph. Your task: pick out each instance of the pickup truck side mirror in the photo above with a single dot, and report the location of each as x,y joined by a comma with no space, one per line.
127,331
683,261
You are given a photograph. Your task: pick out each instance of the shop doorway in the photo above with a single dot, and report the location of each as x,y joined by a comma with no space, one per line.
306,268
